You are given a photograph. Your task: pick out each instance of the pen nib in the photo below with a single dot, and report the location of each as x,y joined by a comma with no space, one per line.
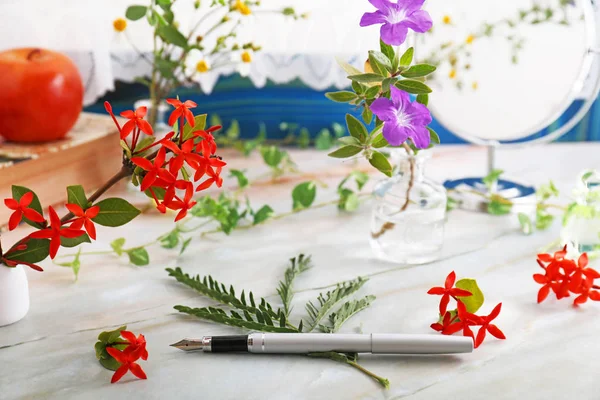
188,345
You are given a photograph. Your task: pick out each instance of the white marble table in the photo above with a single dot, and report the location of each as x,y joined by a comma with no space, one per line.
552,350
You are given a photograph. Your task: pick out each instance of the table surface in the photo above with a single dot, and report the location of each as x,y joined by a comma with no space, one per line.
551,350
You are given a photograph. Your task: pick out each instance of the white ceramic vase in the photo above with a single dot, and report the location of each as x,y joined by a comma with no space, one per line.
14,294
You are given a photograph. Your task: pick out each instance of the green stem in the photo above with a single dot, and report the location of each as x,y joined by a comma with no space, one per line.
382,381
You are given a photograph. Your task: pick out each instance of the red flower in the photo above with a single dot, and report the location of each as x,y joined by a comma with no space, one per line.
448,291
467,320
153,169
20,246
182,109
109,110
185,204
136,119
580,272
447,325
183,154
214,177
55,232
140,341
487,326
127,358
84,218
548,283
207,146
21,208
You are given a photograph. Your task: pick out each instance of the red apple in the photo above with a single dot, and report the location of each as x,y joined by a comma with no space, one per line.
41,95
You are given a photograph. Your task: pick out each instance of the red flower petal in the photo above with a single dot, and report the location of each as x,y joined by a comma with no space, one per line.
42,234
117,354
543,293
119,373
450,279
129,336
92,212
14,220
453,328
90,229
173,117
127,129
11,203
436,291
174,102
145,127
480,336
495,331
26,199
444,304
33,215
75,209
539,278
437,327
583,260
545,258
71,233
190,104
141,112
54,246
137,371
142,163
494,312
460,292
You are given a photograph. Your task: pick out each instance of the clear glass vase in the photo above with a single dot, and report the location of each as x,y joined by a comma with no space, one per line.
581,223
407,225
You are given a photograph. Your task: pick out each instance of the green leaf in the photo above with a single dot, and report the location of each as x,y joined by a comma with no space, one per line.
138,256
379,161
105,339
170,240
366,78
18,192
115,212
37,250
379,141
474,302
434,137
423,99
349,201
143,143
492,178
326,302
341,97
304,195
170,34
133,13
356,128
75,265
498,205
185,245
358,88
413,87
525,223
349,141
346,151
240,176
543,220
452,204
262,215
380,63
76,195
388,51
199,125
324,140
117,246
367,115
407,57
418,71
272,156
66,242
372,92
346,311
298,265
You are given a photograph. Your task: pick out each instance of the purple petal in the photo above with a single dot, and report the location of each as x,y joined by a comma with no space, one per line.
419,21
394,34
400,98
382,5
420,137
394,133
374,18
384,109
420,114
413,5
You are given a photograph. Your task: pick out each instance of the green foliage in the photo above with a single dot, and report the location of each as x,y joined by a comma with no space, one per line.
106,339
346,152
75,265
262,215
349,200
117,246
170,34
326,302
18,192
341,97
380,162
37,250
285,290
498,205
138,256
134,13
303,195
413,86
199,125
474,302
346,311
424,99
491,179
76,195
407,58
525,222
418,71
367,78
356,128
241,178
67,242
380,63
224,210
115,212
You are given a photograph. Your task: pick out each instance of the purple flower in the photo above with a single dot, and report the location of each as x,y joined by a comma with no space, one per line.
403,119
397,19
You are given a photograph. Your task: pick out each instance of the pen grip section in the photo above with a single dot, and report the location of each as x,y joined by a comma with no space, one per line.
229,344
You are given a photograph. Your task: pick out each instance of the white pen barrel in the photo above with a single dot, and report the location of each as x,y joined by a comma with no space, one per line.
302,343
420,344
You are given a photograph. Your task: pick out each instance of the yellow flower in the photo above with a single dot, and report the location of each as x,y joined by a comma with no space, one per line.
119,24
242,7
475,85
447,20
452,74
246,57
470,39
202,66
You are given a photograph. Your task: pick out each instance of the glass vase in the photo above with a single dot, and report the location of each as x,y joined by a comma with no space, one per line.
581,224
407,225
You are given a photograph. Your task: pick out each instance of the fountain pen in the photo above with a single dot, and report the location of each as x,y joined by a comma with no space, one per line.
305,343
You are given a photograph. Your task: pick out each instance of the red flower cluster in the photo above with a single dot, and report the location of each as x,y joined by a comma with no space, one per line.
53,229
462,320
564,276
135,350
165,176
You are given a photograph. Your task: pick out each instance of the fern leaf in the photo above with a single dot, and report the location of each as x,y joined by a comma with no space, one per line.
221,317
346,311
327,301
285,290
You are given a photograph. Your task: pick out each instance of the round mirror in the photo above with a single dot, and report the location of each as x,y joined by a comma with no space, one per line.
509,69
